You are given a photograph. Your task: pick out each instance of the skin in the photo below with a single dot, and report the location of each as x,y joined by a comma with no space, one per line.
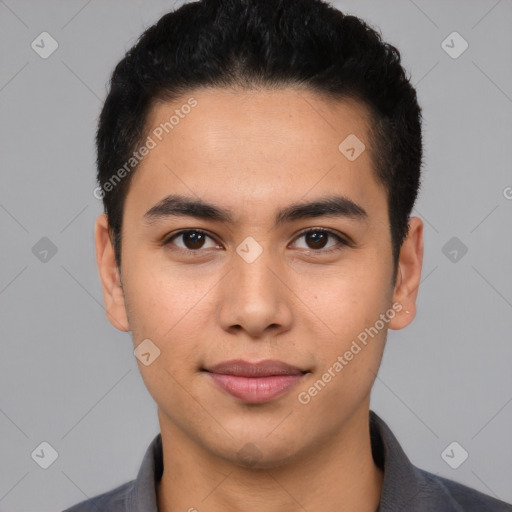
253,153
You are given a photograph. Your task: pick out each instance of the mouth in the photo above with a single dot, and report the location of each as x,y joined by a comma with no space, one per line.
255,382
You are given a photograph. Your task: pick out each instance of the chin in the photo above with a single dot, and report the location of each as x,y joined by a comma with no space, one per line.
260,454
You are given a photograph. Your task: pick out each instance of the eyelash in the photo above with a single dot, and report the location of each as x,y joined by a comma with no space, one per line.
342,243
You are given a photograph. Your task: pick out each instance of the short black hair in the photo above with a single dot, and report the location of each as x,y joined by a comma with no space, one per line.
266,44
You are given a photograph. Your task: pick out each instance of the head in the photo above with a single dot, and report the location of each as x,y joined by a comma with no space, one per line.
248,110
305,45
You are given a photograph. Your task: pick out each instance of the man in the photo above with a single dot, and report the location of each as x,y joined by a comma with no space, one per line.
258,163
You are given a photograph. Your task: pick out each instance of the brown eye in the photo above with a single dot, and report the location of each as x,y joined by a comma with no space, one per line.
317,239
191,240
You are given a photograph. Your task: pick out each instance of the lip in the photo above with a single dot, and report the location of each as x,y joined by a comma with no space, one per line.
255,382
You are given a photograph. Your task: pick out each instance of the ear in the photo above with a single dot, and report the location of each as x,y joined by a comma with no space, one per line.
113,297
408,275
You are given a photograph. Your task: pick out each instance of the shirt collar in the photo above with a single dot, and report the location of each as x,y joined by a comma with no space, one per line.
404,485
143,493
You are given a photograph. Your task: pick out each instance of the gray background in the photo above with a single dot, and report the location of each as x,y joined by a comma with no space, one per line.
69,378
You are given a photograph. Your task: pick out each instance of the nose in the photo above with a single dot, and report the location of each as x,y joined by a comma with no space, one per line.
254,297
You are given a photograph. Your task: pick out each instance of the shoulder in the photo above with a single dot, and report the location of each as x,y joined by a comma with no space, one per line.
135,495
409,488
447,494
111,501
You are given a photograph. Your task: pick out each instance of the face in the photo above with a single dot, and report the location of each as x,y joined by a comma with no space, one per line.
278,249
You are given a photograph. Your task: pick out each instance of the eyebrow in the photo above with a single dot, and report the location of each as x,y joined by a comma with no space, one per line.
331,206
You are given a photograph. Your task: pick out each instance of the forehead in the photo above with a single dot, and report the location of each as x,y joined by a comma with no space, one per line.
252,147
224,118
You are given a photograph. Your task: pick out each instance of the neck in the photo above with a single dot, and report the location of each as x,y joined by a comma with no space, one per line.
339,475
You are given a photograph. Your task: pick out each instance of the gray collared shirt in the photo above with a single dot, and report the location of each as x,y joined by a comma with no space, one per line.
405,488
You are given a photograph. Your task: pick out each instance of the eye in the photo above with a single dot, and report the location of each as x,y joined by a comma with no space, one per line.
317,239
191,240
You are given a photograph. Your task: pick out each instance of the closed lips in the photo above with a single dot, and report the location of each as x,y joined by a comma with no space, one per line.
266,368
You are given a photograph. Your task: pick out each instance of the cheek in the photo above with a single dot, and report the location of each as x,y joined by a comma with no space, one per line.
160,298
167,312
347,299
155,316
348,340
